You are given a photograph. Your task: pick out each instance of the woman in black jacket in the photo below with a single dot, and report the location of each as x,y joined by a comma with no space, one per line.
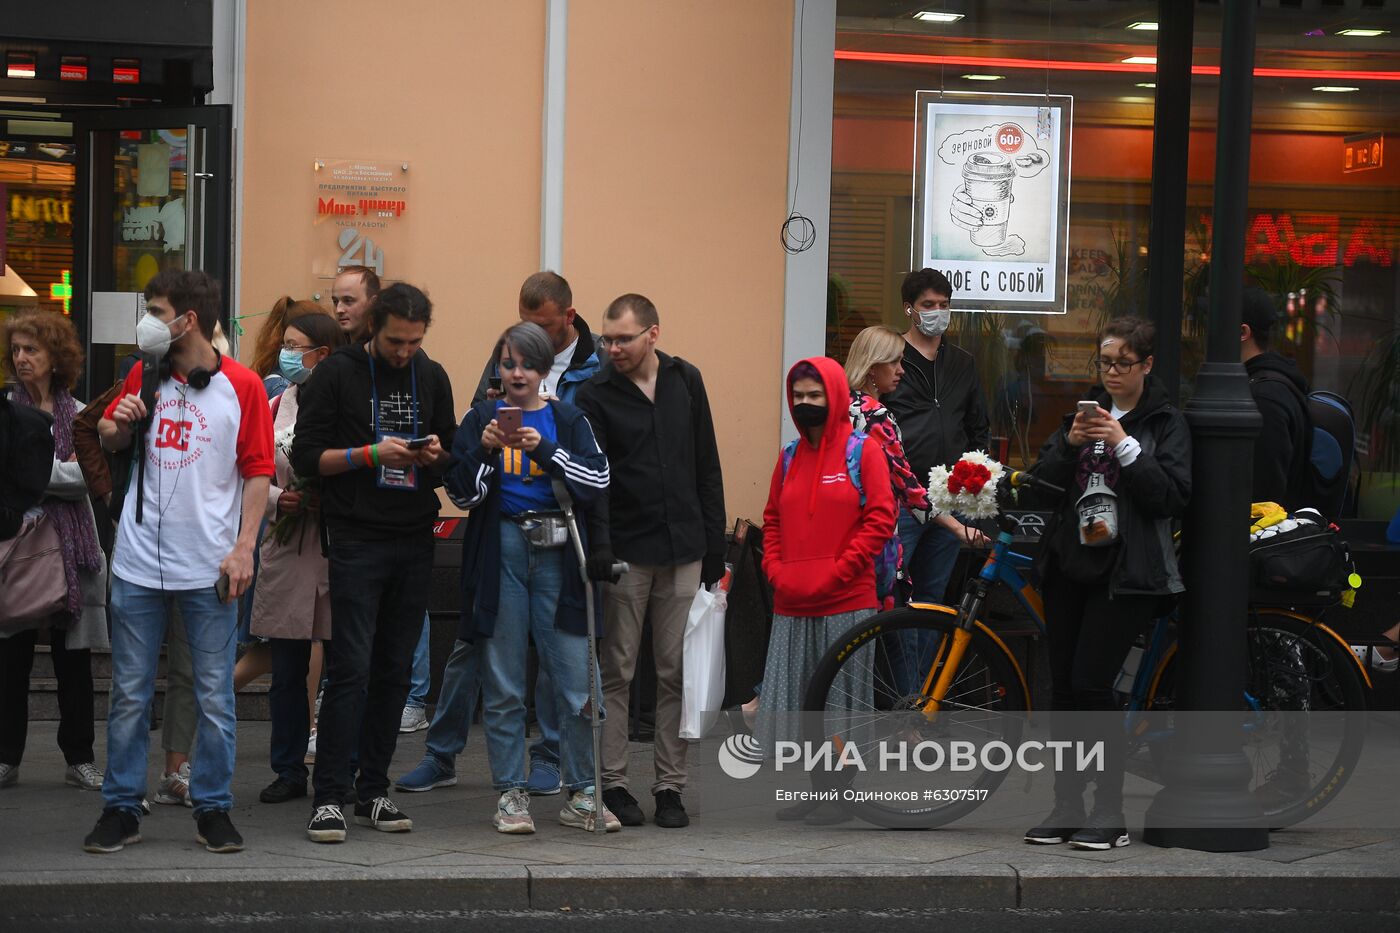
1107,564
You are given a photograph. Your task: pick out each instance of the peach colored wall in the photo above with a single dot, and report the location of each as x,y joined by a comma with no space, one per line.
677,150
454,88
676,141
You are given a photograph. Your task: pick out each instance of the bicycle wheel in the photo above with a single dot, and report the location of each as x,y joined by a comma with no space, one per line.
985,702
1308,721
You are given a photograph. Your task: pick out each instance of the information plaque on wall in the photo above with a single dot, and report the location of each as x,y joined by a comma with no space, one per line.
361,217
991,197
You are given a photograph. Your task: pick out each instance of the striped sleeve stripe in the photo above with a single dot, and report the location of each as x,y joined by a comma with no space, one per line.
483,473
579,473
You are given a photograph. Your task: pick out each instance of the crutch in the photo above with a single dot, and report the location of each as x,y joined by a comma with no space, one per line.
595,680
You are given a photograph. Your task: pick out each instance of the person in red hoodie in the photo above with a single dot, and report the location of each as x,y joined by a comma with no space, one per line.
820,537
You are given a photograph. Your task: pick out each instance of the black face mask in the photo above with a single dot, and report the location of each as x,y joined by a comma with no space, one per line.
809,416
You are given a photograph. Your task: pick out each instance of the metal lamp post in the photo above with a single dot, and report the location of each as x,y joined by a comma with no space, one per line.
1206,804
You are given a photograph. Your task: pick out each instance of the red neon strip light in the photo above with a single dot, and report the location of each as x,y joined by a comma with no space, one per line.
909,58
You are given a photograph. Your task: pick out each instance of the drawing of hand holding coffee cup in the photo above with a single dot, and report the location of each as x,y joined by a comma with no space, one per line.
982,204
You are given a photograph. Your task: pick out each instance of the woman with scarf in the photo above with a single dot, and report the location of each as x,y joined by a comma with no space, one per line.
1107,564
44,361
291,606
821,533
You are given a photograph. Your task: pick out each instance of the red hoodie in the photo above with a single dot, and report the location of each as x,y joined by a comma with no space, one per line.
819,546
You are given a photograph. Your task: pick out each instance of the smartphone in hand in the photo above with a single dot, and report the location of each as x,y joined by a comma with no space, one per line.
1088,407
417,443
221,587
493,383
508,419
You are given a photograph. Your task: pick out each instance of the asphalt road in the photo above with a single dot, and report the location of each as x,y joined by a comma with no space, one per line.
961,921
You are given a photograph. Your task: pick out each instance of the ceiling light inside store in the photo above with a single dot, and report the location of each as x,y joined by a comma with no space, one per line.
934,16
1140,60
1143,27
983,77
1335,88
1145,84
1364,33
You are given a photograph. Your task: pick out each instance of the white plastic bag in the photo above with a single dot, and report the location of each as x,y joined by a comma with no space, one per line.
702,690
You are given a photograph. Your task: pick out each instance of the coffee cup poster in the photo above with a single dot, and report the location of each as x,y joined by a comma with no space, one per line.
991,199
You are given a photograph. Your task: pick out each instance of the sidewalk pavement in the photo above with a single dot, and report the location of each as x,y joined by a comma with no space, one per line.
454,859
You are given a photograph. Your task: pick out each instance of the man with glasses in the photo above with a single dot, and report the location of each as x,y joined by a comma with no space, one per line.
547,300
664,515
942,414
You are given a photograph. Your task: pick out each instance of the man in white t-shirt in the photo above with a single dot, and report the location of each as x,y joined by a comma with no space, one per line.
186,535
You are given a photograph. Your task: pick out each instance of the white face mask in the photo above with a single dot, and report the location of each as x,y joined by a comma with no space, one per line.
153,335
933,323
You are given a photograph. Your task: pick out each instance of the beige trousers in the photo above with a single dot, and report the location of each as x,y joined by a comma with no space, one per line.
667,592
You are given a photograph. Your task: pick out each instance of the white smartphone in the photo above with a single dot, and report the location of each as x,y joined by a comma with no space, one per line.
1088,407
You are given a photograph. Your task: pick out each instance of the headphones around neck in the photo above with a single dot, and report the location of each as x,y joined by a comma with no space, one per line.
197,378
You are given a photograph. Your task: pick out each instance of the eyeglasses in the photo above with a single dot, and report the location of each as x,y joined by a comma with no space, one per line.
621,341
292,346
1122,367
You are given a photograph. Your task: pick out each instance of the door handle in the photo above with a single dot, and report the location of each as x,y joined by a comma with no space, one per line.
204,175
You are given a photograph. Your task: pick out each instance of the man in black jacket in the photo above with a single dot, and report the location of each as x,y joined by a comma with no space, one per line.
375,423
942,414
1280,392
664,515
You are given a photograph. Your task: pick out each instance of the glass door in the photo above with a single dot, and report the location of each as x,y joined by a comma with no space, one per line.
154,189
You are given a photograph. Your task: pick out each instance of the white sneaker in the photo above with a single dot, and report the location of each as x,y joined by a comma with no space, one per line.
174,788
513,812
413,719
1384,665
578,813
310,757
84,776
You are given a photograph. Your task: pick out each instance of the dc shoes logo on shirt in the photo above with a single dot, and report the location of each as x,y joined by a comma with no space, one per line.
831,478
174,434
182,427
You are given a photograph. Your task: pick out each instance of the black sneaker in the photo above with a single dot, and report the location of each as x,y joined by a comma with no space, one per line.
282,790
383,816
216,832
624,806
115,830
1101,831
1066,819
327,825
670,812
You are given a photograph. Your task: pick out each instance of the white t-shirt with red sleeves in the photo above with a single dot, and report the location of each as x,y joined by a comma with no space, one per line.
202,445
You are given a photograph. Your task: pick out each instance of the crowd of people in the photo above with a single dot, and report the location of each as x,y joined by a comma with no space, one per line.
289,506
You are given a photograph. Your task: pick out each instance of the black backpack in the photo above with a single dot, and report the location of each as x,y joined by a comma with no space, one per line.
26,461
1329,442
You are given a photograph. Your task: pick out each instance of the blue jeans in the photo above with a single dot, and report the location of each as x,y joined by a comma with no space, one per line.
530,583
139,618
930,551
456,705
421,679
379,593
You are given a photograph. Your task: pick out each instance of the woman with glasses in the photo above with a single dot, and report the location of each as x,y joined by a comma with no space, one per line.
291,606
519,575
1107,564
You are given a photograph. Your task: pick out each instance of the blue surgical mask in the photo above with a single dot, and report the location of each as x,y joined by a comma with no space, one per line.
292,367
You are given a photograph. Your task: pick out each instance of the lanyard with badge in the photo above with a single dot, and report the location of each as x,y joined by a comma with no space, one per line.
387,477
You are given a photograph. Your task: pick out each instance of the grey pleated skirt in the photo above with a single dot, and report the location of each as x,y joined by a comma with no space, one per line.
795,646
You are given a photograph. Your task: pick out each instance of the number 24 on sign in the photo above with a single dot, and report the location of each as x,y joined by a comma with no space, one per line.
353,242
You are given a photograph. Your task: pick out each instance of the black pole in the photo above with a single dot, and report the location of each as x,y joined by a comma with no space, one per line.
1206,804
1167,231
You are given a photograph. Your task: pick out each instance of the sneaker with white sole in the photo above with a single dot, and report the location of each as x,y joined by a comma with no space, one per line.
174,788
578,813
429,774
381,814
513,812
310,757
115,830
327,825
1101,830
413,719
84,776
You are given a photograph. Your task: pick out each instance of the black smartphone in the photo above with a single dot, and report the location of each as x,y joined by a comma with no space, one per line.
494,382
508,419
221,587
418,443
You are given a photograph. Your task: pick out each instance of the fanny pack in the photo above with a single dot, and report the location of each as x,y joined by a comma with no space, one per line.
544,530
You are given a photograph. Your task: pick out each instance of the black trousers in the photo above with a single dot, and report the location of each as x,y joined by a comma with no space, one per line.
73,668
1089,635
379,594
